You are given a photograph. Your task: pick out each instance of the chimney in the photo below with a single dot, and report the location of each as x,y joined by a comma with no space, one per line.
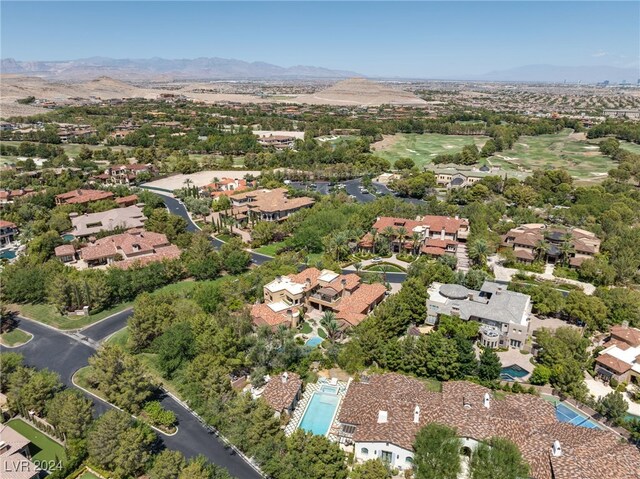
382,417
486,401
556,450
285,377
416,414
307,283
466,403
79,191
344,286
442,233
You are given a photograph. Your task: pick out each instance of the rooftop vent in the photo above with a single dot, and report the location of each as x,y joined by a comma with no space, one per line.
382,417
466,403
416,414
285,377
557,449
486,401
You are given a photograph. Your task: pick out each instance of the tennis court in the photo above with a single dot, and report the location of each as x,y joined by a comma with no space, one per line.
565,413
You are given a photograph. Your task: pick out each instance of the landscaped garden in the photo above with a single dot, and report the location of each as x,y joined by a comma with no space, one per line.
44,450
384,268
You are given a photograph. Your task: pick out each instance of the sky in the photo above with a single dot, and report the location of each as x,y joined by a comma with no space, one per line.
403,39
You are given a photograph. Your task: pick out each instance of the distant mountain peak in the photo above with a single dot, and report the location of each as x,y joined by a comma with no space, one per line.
148,68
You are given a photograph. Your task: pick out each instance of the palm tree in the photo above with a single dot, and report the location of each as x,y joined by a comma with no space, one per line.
541,248
330,325
478,251
566,248
416,242
187,183
389,233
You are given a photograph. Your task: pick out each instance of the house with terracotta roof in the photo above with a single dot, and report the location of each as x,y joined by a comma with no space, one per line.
8,232
89,224
532,241
265,205
282,392
7,197
343,294
133,247
15,457
428,235
82,197
620,359
503,314
225,187
381,415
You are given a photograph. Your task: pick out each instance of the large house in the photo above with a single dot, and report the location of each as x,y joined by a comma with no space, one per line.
81,197
504,315
325,290
8,232
532,241
124,174
15,458
8,196
381,415
225,187
620,359
454,178
429,235
89,224
135,246
265,205
279,142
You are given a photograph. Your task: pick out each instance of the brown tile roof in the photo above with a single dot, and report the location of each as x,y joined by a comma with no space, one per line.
524,254
263,315
433,250
127,199
528,421
7,224
84,196
311,273
279,393
577,260
366,241
353,308
65,250
629,335
614,364
133,243
435,223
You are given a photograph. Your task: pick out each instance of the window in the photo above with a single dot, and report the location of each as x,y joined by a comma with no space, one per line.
364,450
348,429
409,459
386,456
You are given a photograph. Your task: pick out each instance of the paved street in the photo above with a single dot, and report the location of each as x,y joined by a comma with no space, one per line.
64,354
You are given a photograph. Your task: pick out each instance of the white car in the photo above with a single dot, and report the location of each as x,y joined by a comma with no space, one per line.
376,260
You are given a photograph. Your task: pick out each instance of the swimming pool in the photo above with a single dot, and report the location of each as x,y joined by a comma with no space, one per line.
313,342
565,413
319,414
68,237
9,254
513,372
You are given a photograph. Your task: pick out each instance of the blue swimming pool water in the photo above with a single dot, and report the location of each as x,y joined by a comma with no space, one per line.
313,342
513,372
68,237
565,413
8,254
319,414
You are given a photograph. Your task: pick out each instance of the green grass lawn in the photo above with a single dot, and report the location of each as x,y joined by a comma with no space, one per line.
88,475
580,157
306,328
16,337
224,237
322,333
73,149
42,448
270,249
120,338
423,148
47,314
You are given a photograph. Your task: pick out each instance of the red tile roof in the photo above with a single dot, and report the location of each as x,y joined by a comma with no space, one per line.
435,223
281,391
83,196
631,336
614,364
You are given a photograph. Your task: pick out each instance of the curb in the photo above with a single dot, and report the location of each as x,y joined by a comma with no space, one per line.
19,345
86,391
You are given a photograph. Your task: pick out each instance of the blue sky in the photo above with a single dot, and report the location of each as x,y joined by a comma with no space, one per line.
406,39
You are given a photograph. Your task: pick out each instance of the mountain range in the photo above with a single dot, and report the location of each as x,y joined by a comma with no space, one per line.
161,68
231,69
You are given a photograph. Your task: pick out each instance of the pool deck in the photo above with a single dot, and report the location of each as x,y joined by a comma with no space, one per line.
301,408
514,356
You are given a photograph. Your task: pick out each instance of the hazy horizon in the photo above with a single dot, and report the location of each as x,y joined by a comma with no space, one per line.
375,39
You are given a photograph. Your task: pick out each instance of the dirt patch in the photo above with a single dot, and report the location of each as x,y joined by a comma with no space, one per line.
386,142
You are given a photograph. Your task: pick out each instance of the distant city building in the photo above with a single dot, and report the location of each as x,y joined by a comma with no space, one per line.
629,114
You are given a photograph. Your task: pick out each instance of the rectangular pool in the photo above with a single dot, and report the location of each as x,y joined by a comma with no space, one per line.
565,413
319,414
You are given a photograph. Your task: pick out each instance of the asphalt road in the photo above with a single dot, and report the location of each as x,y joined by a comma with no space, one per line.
103,329
64,354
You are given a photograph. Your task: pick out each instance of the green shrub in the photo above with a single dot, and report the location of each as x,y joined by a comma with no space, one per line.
158,416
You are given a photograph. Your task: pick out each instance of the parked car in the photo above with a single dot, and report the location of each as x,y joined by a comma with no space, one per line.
376,260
